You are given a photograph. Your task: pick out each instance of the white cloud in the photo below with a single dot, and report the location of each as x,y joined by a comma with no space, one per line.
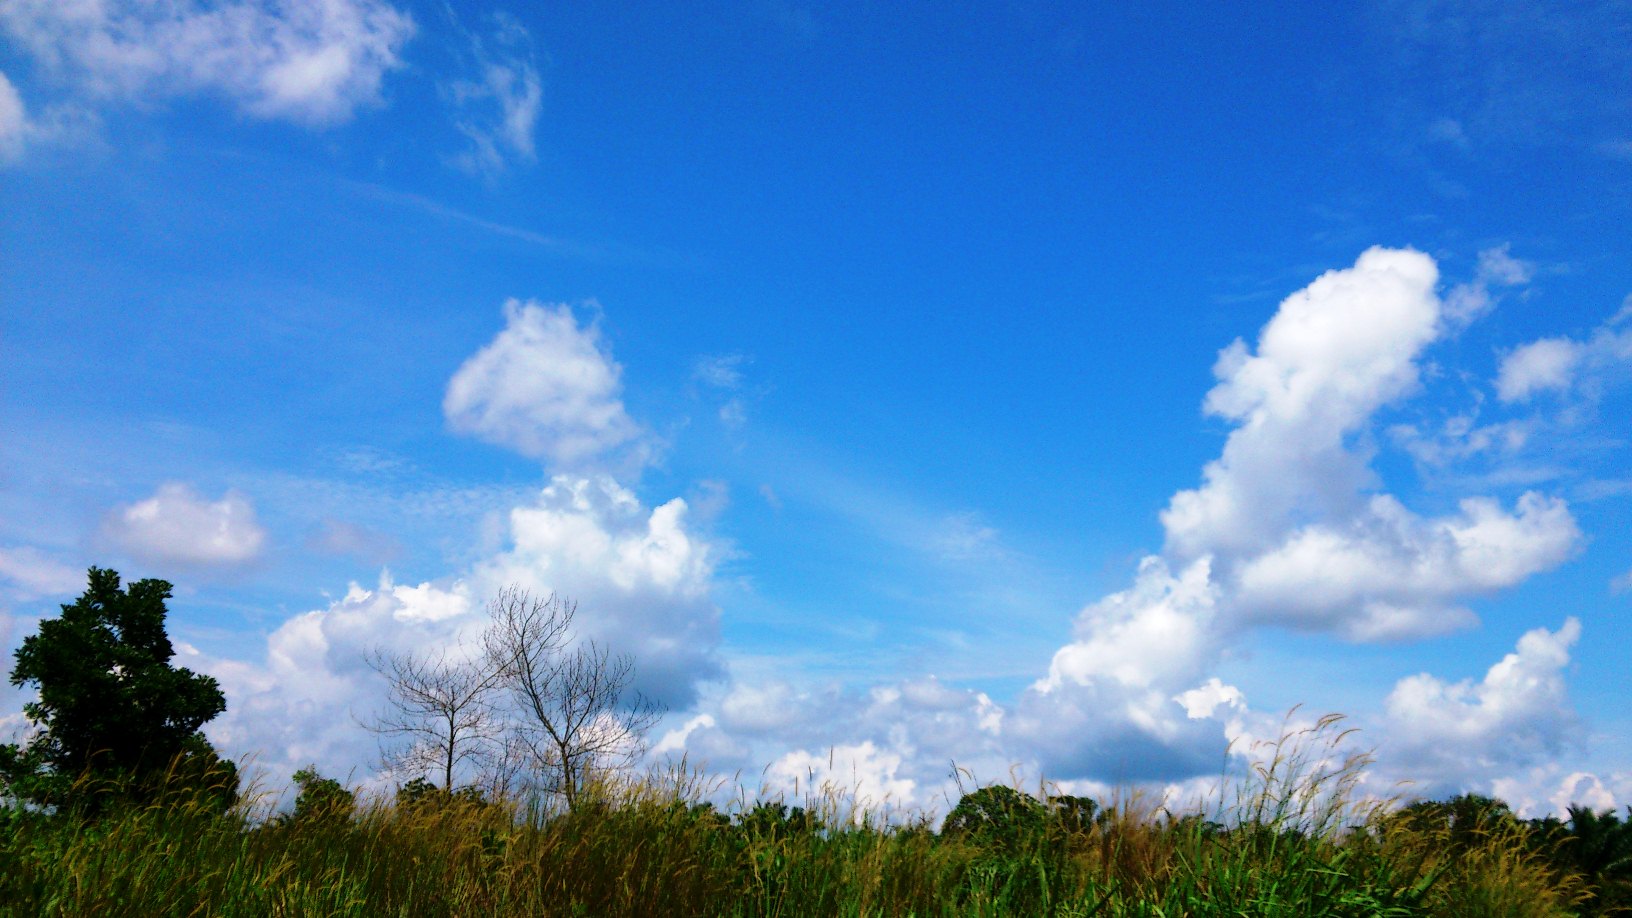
1547,364
642,576
1121,701
641,579
964,537
862,773
308,61
178,526
303,701
32,574
1566,364
1623,583
498,111
1290,512
1334,353
1497,268
22,130
1446,735
545,387
722,371
1389,574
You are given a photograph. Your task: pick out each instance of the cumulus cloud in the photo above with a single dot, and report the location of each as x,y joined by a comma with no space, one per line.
178,526
302,702
1126,699
1448,734
1333,354
642,576
1290,512
308,61
498,110
642,580
1390,574
545,387
1290,527
861,772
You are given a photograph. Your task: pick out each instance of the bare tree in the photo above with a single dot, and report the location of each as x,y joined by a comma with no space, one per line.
440,710
572,719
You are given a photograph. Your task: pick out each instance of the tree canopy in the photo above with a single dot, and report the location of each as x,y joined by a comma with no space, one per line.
113,716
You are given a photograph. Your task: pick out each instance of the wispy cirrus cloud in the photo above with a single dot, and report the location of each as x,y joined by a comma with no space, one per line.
497,107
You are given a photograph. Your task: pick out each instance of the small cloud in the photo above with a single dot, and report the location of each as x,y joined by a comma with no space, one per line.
13,122
722,371
35,575
733,414
1622,584
20,130
1497,268
1540,366
963,537
177,526
771,497
545,387
1565,364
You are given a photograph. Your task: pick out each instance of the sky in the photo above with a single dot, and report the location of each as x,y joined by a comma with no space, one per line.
1030,391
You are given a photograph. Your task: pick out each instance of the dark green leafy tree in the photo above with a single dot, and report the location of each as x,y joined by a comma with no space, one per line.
321,799
1598,847
1466,821
1074,815
114,720
773,819
996,816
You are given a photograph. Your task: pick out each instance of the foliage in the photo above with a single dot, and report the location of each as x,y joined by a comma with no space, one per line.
650,849
115,721
321,799
421,793
995,815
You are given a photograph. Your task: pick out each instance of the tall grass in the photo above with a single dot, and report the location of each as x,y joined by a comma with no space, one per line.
1295,839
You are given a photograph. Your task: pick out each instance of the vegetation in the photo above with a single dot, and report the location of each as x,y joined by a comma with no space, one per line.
114,720
1295,839
530,713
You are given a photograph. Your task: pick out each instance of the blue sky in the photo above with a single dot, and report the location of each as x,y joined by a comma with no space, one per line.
868,373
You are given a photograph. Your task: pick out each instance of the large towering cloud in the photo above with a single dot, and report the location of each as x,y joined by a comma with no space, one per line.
1333,354
1300,530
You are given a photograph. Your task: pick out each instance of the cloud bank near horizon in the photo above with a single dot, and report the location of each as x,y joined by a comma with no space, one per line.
1291,527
